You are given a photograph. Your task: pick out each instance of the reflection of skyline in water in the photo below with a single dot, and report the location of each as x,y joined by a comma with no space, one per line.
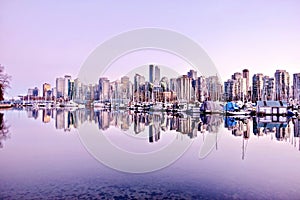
282,129
4,130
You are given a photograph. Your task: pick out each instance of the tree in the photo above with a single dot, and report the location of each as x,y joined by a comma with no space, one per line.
4,82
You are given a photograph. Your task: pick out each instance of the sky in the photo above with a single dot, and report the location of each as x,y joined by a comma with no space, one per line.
42,40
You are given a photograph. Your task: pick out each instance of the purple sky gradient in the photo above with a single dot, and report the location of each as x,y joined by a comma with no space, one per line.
42,40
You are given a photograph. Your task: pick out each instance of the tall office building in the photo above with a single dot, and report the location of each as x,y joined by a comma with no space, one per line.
282,85
157,74
46,90
184,88
268,88
296,87
202,92
67,87
214,88
173,84
192,74
104,89
60,87
230,90
246,76
126,88
240,86
151,73
139,87
257,87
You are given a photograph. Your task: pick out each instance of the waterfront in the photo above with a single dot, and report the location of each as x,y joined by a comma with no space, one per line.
49,159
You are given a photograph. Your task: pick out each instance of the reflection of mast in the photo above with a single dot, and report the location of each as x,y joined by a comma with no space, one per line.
216,140
244,148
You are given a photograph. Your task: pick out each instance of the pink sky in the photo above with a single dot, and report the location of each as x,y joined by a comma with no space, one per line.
42,40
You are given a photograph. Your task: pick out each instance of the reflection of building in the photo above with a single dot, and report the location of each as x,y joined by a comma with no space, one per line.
297,128
103,119
46,116
59,119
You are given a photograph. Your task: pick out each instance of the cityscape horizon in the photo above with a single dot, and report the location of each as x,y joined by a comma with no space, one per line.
240,86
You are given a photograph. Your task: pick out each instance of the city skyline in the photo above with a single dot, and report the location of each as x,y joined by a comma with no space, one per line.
57,37
242,86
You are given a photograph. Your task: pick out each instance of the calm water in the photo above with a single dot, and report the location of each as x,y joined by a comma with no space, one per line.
44,155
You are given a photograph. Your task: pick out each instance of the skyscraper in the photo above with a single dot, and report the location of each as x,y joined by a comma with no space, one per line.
184,88
202,92
60,87
257,87
268,88
157,74
192,74
67,87
230,90
214,88
138,87
104,89
46,90
247,77
282,85
296,87
151,73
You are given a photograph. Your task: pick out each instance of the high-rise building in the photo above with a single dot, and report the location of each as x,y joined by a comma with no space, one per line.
240,86
104,89
296,87
139,87
192,74
257,87
230,90
184,88
282,85
151,73
126,88
194,93
60,87
214,88
46,90
268,88
247,77
35,92
202,92
173,84
157,74
67,87
54,92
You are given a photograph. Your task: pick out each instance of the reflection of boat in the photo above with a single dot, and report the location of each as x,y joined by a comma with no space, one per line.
211,107
238,112
101,105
